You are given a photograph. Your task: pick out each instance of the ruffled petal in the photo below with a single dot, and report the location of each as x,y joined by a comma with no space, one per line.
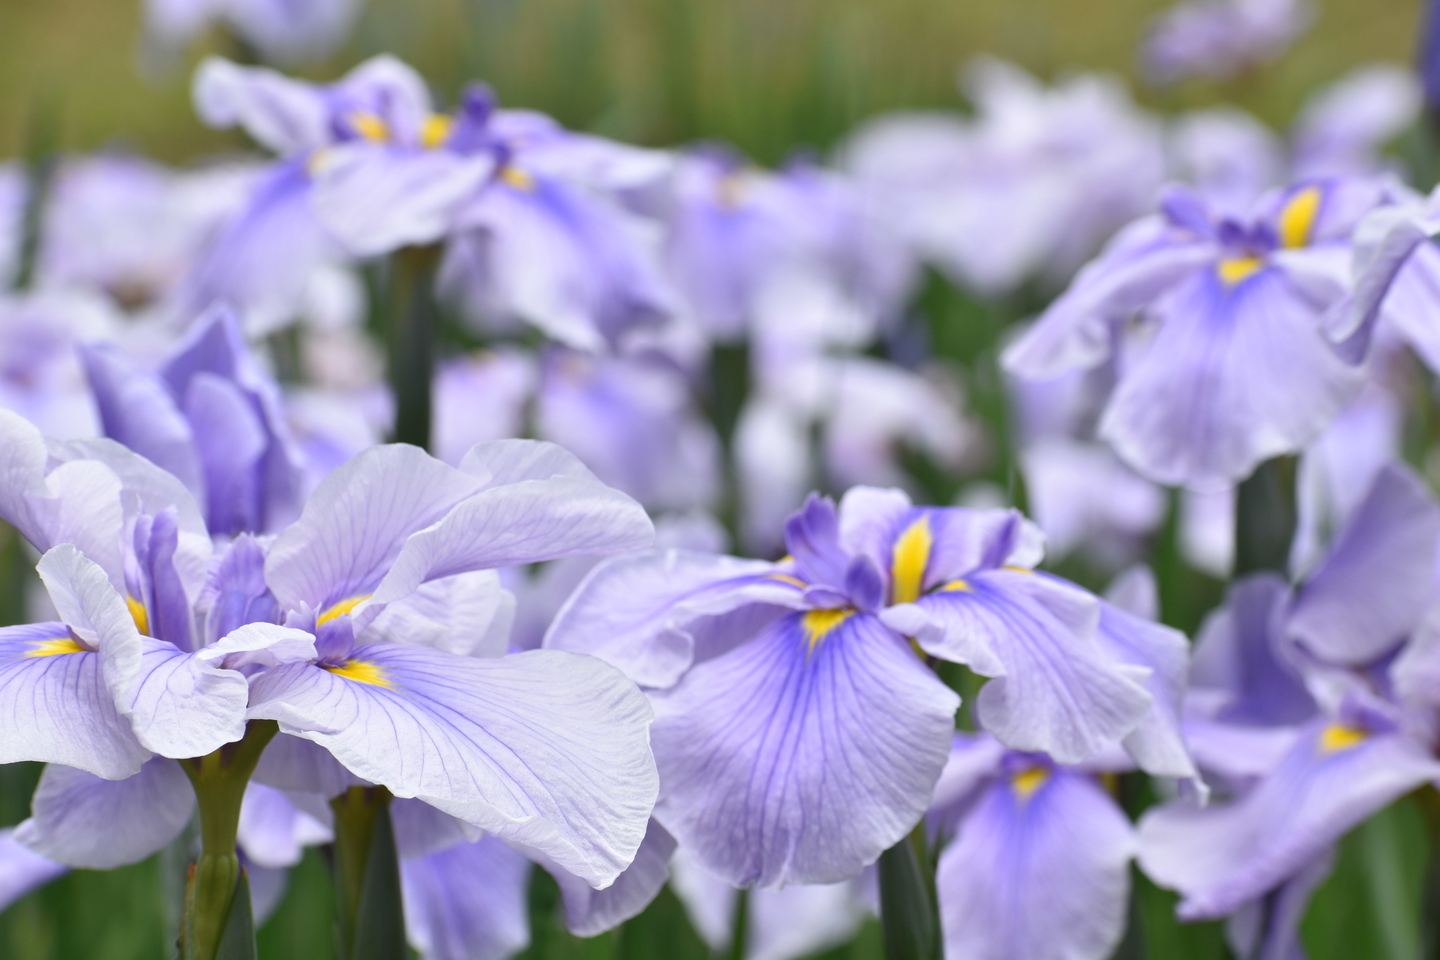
544,748
83,821
589,912
802,755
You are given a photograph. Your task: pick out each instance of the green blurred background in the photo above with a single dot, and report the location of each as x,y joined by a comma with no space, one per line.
769,76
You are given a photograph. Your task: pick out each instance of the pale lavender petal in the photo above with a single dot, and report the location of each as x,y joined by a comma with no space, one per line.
467,902
802,919
1384,242
1334,777
787,763
709,901
421,830
469,615
1233,376
1269,928
545,748
56,707
23,870
1415,673
295,765
648,613
1055,687
1371,589
974,759
83,821
22,477
230,441
1037,871
274,832
267,890
1238,653
288,116
589,912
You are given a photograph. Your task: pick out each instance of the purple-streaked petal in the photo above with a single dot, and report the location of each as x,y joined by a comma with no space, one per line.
1378,577
1037,870
83,821
545,748
23,870
56,708
356,522
469,615
467,902
650,613
273,831
1238,654
1234,375
299,766
792,761
589,912
1335,776
1055,688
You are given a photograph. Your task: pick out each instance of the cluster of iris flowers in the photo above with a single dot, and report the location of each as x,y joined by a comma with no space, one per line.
516,635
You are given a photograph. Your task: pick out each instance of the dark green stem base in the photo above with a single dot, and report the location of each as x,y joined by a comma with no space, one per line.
907,901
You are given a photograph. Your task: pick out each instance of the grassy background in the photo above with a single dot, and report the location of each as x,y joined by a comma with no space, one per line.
769,76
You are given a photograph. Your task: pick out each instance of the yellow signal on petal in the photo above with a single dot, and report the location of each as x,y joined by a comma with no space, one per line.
364,671
1027,782
369,125
518,178
1339,736
1234,269
138,614
435,130
341,607
818,623
786,578
956,586
53,648
1297,218
910,557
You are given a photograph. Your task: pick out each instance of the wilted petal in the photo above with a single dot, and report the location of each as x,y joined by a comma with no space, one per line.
467,902
545,748
645,612
23,870
1037,870
1055,689
800,756
81,820
1378,577
1334,777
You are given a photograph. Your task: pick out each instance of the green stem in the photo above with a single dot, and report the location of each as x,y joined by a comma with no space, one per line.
740,925
219,780
1265,518
412,340
361,821
908,920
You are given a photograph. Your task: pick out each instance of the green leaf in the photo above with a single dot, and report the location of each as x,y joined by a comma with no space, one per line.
907,912
238,940
380,923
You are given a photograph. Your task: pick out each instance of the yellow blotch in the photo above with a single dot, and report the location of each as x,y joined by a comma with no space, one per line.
1027,782
138,614
908,561
786,578
53,648
517,178
1338,736
341,608
1235,269
956,586
1014,569
435,130
363,671
1297,218
369,125
819,623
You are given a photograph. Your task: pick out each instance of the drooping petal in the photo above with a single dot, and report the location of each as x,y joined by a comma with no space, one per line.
22,869
288,116
1223,856
1378,577
296,765
55,706
1038,869
589,912
1269,928
273,831
467,902
800,756
421,830
644,612
545,748
1055,689
83,821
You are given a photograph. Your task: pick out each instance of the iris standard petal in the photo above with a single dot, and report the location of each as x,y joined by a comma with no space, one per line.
647,613
545,748
1333,777
467,902
1055,688
1378,577
1038,869
83,821
802,755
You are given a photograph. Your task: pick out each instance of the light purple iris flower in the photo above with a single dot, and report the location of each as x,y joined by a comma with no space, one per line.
1315,706
1220,38
798,732
1230,367
1030,187
283,31
162,650
41,376
211,417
